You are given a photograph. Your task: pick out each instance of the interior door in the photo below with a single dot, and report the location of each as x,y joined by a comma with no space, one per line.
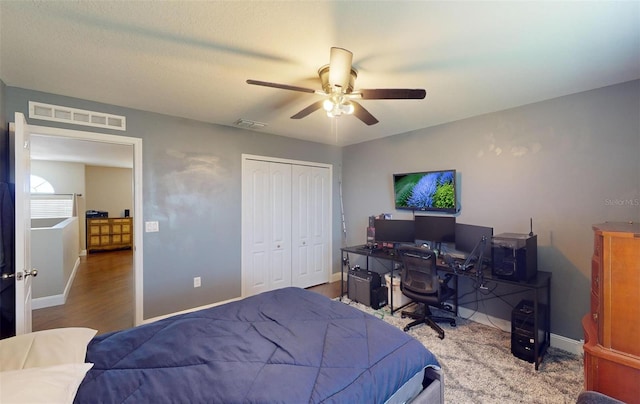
20,172
310,225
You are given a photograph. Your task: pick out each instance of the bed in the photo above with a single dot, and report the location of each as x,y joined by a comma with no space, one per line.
287,345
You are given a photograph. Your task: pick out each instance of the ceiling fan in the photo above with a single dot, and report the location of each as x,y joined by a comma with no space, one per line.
338,78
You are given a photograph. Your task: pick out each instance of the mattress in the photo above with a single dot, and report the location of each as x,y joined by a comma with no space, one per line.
287,345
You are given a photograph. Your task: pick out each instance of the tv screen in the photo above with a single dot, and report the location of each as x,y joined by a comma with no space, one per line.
440,229
426,191
394,231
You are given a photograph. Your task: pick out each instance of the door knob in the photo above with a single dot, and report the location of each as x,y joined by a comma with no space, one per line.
19,275
33,272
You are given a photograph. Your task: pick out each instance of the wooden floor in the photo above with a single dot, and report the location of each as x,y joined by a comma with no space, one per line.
102,295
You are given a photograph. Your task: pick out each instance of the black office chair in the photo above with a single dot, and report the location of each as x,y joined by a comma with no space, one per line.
420,282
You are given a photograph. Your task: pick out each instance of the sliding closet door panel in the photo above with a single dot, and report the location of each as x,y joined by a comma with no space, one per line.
280,225
266,226
255,228
310,231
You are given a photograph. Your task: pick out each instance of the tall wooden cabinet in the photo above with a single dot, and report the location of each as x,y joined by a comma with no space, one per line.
109,233
612,328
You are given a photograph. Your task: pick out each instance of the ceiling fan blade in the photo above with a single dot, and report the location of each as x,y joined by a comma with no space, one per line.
361,113
281,86
340,67
393,94
311,108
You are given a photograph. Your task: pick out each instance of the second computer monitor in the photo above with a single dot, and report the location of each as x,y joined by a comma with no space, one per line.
469,235
394,231
439,229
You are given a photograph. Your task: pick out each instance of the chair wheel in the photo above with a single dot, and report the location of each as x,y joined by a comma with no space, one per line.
406,329
403,316
452,324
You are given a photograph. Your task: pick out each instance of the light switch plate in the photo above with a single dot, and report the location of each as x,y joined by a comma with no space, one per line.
151,227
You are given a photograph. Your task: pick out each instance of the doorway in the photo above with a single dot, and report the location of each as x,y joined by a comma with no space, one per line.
98,140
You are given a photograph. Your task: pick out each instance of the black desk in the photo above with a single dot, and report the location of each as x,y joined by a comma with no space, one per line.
539,287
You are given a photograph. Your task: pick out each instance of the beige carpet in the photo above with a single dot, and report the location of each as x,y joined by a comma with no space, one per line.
479,367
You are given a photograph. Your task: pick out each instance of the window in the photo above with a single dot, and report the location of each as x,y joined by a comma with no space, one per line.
40,186
45,203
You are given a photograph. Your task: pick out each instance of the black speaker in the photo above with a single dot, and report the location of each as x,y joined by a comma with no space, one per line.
365,287
515,256
523,330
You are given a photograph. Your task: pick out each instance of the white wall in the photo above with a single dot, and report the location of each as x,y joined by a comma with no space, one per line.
66,178
54,253
109,189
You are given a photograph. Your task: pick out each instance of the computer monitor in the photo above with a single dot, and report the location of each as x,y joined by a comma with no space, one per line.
439,229
468,236
394,231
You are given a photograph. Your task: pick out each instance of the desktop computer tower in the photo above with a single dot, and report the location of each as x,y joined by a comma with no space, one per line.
366,287
523,330
515,256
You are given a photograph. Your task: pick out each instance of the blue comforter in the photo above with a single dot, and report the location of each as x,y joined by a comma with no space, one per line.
288,345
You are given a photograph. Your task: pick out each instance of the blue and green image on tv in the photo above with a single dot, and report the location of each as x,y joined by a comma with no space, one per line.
426,191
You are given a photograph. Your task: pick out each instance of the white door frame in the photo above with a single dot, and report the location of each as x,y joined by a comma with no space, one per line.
245,157
137,199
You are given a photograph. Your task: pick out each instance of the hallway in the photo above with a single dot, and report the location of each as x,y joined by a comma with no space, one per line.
101,296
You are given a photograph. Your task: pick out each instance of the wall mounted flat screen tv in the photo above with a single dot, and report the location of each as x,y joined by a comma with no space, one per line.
426,191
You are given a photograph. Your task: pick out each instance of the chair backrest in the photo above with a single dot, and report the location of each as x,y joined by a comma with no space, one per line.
419,273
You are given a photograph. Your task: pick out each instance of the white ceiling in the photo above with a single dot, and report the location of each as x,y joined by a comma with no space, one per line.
191,59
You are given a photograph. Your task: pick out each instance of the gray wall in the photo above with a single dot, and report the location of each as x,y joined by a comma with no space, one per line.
4,137
567,163
191,185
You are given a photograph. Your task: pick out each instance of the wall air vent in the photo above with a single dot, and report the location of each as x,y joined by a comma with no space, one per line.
48,112
248,124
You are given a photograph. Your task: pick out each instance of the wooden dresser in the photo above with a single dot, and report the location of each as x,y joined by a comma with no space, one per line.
109,233
612,328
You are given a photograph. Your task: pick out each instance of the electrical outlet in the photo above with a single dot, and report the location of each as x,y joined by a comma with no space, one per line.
197,282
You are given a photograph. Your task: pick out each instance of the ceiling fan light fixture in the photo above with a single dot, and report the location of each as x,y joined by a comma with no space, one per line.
347,108
328,105
340,62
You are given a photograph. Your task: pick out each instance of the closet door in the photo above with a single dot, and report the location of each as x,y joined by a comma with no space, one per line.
266,226
310,225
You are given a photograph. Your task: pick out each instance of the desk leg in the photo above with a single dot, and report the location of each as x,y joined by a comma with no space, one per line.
536,338
540,347
345,262
455,298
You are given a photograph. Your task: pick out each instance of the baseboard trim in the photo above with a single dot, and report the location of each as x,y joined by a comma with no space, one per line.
60,299
557,341
208,306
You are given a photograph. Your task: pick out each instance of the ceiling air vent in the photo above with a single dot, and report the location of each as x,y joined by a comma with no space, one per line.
48,112
248,124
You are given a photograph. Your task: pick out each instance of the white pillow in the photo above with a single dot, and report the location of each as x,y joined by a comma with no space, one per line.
45,348
53,384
